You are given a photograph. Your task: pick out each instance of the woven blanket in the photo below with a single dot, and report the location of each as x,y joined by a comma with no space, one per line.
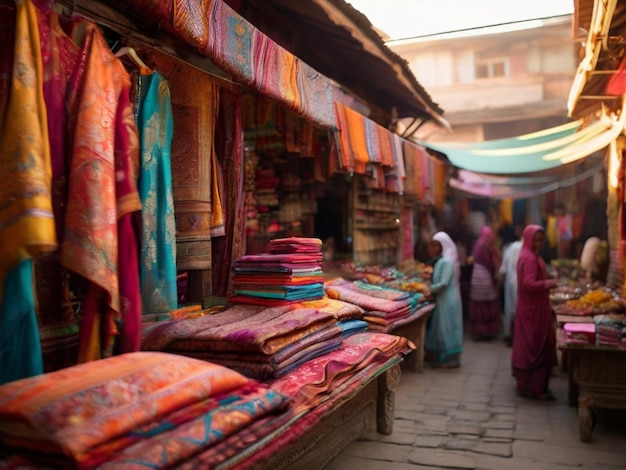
367,302
77,413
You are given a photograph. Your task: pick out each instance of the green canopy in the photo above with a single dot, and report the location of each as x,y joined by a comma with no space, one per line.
533,152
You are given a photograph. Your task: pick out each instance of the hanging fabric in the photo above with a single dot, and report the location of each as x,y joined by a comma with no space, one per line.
26,216
102,192
158,244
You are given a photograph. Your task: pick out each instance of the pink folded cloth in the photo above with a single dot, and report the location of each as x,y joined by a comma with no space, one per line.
580,332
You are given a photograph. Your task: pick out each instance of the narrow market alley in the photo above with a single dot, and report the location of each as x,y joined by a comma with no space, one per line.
471,418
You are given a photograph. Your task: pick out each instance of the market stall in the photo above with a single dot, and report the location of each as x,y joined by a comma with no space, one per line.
592,339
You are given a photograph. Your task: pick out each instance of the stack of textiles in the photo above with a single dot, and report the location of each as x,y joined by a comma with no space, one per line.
315,388
385,308
137,410
579,333
290,272
610,330
260,342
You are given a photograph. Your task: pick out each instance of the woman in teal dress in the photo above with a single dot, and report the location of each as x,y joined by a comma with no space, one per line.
444,334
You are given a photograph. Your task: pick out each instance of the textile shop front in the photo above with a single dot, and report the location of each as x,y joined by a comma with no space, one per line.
130,195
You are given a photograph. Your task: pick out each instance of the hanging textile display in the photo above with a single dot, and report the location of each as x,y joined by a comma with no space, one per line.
353,144
217,31
158,247
102,190
229,156
191,154
413,167
26,216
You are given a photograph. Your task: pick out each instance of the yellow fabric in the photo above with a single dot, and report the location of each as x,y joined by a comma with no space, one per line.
552,232
506,211
26,217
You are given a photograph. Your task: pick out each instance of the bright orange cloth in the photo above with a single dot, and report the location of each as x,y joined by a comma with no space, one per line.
354,154
104,131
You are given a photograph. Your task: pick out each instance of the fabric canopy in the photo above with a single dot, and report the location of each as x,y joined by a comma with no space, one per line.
534,152
500,187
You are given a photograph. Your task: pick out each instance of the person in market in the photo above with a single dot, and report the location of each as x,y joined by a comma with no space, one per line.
508,274
444,335
534,345
484,307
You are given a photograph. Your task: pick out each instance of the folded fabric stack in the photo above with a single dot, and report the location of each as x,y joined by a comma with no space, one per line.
260,342
138,410
290,272
385,308
315,387
579,333
610,331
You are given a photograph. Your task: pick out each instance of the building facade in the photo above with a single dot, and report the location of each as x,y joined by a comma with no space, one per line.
497,81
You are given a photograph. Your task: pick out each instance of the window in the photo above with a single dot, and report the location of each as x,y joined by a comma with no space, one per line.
490,67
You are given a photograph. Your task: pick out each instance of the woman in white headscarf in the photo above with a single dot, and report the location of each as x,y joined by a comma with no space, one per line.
450,253
444,335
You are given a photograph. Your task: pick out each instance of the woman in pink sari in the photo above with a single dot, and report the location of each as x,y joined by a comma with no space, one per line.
534,345
484,307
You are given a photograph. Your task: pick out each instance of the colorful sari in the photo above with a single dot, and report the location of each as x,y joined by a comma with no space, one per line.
158,248
26,217
104,134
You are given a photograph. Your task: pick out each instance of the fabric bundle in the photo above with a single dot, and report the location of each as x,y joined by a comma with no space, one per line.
258,342
385,308
290,272
318,385
579,333
115,412
610,331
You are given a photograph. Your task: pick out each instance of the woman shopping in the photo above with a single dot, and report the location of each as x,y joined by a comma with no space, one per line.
444,335
484,307
534,346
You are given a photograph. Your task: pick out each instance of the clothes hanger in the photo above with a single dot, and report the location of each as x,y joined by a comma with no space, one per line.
132,53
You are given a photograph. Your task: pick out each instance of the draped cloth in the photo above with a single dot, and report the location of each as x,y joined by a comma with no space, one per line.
158,245
352,140
26,216
102,190
534,344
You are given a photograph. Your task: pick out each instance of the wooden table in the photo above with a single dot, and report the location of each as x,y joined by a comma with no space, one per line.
416,332
597,378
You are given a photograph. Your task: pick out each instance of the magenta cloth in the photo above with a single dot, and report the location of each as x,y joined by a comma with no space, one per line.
261,331
534,343
580,333
317,377
390,326
484,253
295,245
280,259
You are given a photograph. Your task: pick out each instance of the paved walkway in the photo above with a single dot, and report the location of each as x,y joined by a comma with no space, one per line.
471,418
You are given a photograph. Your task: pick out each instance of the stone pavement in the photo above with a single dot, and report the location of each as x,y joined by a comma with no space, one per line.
471,418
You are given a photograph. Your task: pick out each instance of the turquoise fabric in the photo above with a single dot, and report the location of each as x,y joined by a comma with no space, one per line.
444,335
158,244
527,153
20,348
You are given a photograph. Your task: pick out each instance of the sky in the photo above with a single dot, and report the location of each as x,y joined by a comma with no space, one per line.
401,19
